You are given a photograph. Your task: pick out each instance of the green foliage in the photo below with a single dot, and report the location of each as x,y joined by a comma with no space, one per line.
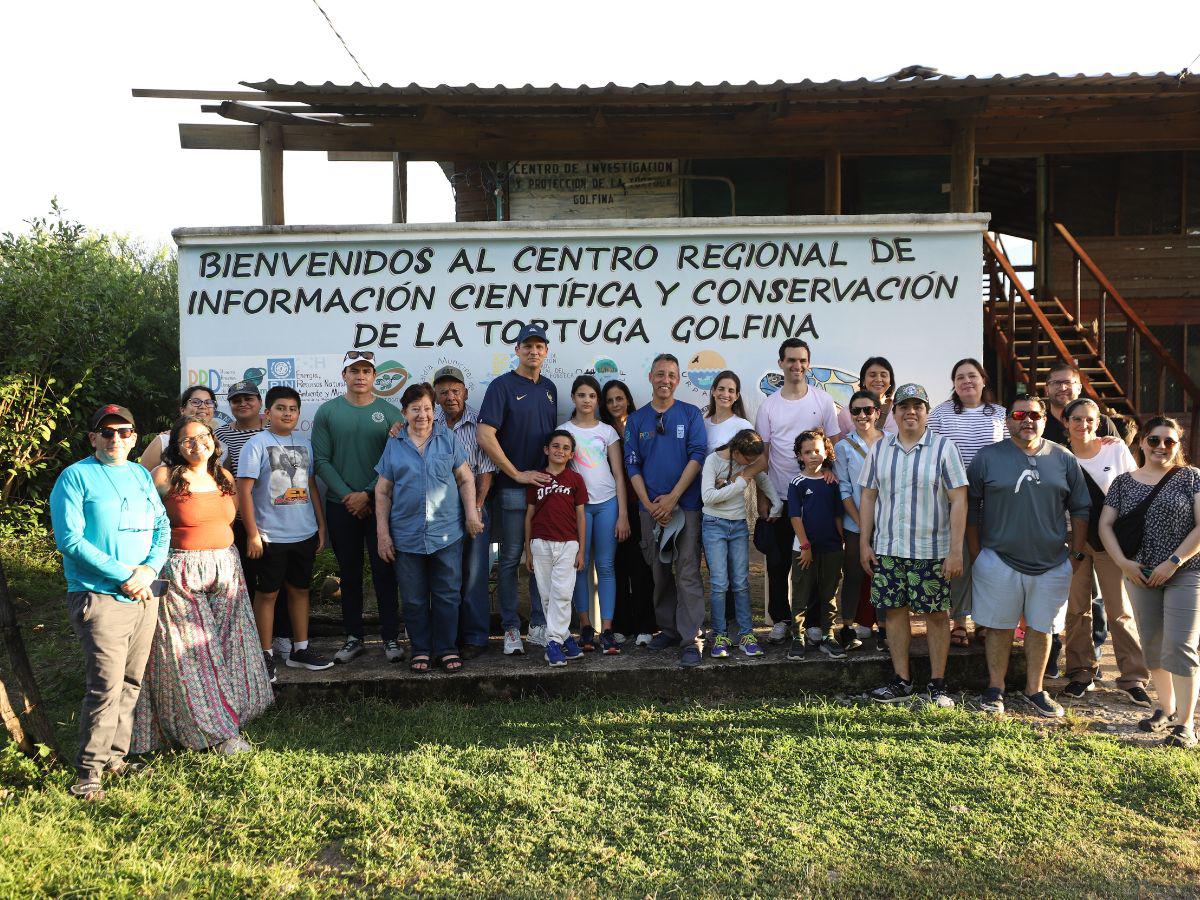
90,309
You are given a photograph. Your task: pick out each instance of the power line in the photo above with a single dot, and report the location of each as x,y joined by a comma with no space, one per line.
345,46
1187,70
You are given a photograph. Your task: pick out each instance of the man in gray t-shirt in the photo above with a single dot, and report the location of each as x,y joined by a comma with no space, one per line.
1019,494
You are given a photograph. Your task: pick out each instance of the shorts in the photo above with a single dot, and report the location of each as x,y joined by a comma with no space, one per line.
914,583
1003,595
291,563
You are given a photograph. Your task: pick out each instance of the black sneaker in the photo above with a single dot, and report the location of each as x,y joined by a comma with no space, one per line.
1158,721
832,648
269,662
1180,736
797,651
992,701
936,695
308,659
893,692
1042,704
1076,689
1138,696
848,638
881,641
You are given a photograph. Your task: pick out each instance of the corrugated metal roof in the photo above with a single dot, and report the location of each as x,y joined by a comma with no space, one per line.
916,85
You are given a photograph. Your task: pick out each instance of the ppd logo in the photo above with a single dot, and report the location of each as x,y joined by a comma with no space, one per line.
210,378
281,371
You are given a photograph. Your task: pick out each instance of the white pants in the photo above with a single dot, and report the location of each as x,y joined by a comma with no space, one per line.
554,569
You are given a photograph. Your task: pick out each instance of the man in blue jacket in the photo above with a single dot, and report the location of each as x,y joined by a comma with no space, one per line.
665,446
113,533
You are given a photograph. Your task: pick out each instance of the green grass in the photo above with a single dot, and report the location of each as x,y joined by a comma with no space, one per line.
610,797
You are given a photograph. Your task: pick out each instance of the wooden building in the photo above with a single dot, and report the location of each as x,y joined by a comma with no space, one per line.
1101,173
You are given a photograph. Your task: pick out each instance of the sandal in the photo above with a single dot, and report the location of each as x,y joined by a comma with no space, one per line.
87,790
451,662
419,663
958,636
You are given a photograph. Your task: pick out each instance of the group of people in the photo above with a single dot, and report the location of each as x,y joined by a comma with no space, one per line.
1033,518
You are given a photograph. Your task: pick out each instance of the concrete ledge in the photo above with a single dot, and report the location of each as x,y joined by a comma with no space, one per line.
634,673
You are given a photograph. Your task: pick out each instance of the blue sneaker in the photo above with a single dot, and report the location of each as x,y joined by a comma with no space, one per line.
570,649
720,647
750,646
554,654
608,643
662,641
691,657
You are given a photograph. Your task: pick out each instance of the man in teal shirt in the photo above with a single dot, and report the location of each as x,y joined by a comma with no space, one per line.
348,436
113,533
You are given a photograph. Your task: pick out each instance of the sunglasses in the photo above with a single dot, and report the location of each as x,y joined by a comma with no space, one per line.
124,433
1154,440
659,425
862,410
1020,415
368,355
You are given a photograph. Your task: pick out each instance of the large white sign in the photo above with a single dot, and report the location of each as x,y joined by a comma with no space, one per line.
282,305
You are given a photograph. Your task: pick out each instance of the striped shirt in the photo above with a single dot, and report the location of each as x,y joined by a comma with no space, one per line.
912,511
233,439
464,429
972,429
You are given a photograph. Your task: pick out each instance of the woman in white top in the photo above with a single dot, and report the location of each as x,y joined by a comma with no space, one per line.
1101,462
972,420
198,401
848,458
726,415
598,460
723,482
878,377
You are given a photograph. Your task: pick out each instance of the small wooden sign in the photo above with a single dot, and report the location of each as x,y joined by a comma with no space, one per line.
593,189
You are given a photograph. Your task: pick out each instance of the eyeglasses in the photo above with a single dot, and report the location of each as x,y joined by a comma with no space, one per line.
1154,440
124,433
659,425
862,410
202,404
192,443
368,355
1021,415
1060,382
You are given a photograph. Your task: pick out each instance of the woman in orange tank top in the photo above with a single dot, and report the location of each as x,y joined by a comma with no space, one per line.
206,677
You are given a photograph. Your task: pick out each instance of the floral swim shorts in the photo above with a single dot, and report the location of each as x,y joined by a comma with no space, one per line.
915,583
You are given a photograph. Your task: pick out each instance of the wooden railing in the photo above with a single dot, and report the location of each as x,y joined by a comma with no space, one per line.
1113,309
1005,287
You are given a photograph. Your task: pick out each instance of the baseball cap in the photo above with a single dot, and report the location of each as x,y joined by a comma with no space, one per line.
109,409
910,392
532,330
242,387
358,356
446,373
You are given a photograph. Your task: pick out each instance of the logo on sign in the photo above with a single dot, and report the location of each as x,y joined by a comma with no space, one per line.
703,369
281,371
390,378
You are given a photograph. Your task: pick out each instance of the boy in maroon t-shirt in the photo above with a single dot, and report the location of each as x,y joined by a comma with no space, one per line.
554,536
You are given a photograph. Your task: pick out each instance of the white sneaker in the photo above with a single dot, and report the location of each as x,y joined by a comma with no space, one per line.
643,639
537,635
813,636
618,637
282,648
512,642
779,633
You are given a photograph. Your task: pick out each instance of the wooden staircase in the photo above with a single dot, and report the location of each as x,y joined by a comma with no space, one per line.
1030,336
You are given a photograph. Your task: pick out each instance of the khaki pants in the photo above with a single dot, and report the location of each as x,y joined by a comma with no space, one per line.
116,638
1081,656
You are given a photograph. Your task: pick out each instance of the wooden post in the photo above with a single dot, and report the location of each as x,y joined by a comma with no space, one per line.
833,182
962,167
270,165
399,188
20,698
1042,225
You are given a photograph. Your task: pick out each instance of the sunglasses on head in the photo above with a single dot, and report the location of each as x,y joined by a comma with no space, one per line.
124,432
1021,415
862,410
368,355
1154,440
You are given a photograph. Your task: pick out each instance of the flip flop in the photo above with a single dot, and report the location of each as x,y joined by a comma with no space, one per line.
451,662
958,636
419,663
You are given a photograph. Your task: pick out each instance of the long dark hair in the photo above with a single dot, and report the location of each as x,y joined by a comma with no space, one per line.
737,409
630,406
195,389
1161,422
989,399
878,361
587,381
173,457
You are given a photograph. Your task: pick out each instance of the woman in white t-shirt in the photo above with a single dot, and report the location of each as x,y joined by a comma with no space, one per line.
1102,461
972,420
199,401
598,460
726,415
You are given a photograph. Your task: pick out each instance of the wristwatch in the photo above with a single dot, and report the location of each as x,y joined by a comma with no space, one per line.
1079,557
1176,560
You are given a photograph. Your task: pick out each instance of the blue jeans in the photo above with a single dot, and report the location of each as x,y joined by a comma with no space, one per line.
431,585
599,545
475,616
510,511
727,549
